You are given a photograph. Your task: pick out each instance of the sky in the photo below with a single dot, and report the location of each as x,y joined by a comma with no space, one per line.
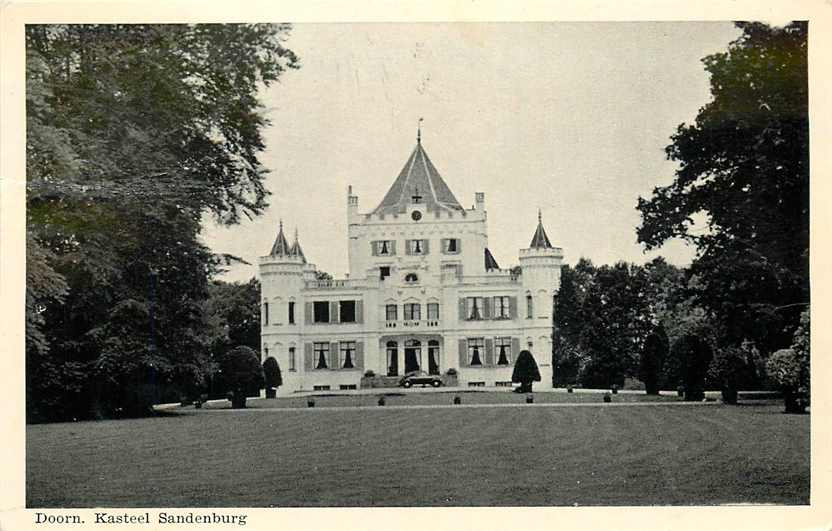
570,118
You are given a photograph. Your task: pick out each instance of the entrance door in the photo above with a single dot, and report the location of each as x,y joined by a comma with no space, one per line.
433,357
392,358
412,355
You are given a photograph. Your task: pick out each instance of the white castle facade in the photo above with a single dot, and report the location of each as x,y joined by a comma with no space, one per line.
423,293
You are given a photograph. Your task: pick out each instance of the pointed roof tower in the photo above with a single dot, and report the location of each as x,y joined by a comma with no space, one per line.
540,240
281,246
490,262
296,249
418,182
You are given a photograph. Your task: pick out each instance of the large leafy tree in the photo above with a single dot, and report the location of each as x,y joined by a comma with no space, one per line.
744,176
134,134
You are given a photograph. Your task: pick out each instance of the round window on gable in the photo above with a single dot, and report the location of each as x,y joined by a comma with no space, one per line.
411,278
416,215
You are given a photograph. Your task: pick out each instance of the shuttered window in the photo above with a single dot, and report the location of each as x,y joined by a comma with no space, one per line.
433,310
346,358
321,355
320,311
392,312
451,246
502,347
476,351
501,308
346,311
474,308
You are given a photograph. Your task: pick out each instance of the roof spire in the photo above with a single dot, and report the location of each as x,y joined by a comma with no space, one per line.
419,131
296,249
540,240
281,246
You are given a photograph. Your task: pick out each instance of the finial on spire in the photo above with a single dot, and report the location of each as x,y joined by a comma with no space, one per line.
419,131
281,224
539,216
296,234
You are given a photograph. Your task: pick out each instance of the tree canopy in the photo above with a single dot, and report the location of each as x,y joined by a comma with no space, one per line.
741,193
134,134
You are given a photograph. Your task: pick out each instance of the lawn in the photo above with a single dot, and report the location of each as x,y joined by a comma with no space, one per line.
639,455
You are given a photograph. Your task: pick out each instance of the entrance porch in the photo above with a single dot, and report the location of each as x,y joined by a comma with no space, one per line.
404,353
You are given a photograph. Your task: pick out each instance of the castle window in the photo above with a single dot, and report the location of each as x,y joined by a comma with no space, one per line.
433,310
412,311
320,312
475,351
347,358
321,351
291,312
411,278
503,348
384,248
417,247
474,308
384,272
347,311
292,360
265,313
392,312
450,246
501,308
529,307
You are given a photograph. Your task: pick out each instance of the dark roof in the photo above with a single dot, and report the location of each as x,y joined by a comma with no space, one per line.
418,177
540,240
281,246
296,249
490,262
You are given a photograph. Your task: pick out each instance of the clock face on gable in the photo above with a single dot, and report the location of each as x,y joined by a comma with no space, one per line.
416,215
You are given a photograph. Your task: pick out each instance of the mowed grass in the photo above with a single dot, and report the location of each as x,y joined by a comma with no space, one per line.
638,455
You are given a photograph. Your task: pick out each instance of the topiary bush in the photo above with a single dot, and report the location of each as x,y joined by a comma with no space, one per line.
786,368
243,374
369,373
695,356
451,372
652,359
730,370
271,373
525,372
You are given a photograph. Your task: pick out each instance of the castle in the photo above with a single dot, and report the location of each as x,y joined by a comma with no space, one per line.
423,293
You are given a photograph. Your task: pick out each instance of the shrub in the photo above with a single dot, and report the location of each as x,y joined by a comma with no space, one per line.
310,402
786,368
369,373
243,374
730,370
525,371
652,360
568,388
451,372
614,389
457,400
607,397
271,373
695,356
381,401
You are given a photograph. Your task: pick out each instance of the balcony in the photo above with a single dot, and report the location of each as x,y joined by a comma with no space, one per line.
409,325
344,283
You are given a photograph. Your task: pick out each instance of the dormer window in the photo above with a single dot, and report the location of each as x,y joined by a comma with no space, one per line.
411,278
385,247
451,245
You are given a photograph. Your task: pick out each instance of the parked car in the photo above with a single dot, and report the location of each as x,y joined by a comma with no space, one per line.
420,378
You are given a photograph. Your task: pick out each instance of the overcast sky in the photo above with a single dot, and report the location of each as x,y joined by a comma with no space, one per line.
572,118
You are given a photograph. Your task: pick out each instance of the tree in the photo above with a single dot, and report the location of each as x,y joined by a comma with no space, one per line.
525,371
652,359
242,373
741,193
695,354
271,372
134,133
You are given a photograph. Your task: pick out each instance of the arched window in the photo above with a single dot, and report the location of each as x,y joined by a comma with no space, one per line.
392,358
529,306
411,278
433,356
